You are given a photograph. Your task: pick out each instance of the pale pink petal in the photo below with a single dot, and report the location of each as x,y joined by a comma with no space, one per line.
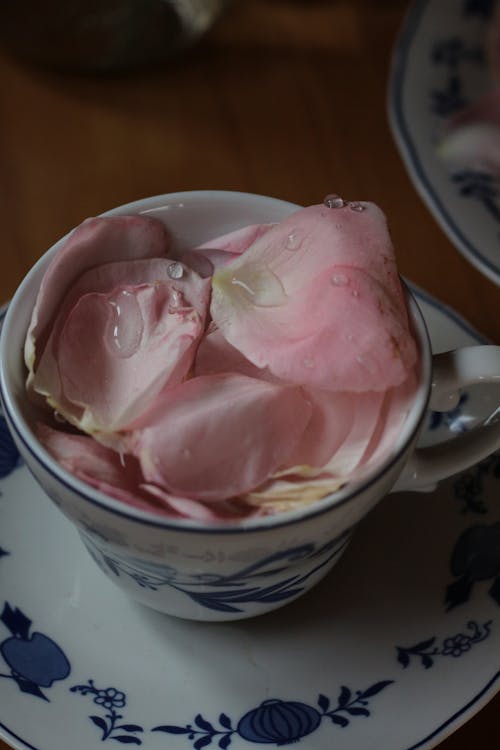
472,136
346,337
205,258
318,301
94,242
367,414
476,146
114,346
330,424
394,413
196,510
236,242
216,436
98,466
216,355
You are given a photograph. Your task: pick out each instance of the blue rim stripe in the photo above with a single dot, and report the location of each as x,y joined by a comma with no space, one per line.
407,146
458,714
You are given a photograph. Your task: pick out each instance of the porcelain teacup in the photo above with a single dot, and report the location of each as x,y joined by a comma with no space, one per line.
239,569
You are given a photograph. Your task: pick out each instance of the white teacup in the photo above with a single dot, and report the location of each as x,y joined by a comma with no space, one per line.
243,568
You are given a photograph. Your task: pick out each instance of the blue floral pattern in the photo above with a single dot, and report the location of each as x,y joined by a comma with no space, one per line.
469,487
454,420
452,54
455,645
35,661
475,558
229,593
110,699
9,455
278,722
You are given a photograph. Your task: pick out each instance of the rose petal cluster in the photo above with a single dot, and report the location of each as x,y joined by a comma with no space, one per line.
252,374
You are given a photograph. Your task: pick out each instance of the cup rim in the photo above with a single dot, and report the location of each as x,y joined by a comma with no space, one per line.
20,426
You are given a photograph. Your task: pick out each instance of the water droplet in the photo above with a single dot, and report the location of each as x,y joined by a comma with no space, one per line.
308,362
126,325
334,201
355,293
355,206
175,298
292,241
59,417
175,271
363,363
260,285
339,279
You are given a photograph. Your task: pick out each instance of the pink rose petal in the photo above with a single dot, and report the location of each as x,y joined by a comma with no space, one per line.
98,466
195,510
114,348
205,258
318,301
94,242
216,436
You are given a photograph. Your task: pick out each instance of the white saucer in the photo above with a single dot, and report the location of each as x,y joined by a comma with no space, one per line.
395,649
438,67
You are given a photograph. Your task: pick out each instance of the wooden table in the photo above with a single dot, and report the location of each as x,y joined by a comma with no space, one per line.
282,98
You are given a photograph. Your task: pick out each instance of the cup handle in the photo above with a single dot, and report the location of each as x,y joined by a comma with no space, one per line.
452,371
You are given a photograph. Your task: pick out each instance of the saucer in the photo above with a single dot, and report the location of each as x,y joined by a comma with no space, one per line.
439,65
397,647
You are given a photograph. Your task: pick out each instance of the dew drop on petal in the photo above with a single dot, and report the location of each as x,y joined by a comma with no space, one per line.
356,206
362,362
126,326
355,293
339,279
59,417
332,200
261,286
175,299
175,271
292,241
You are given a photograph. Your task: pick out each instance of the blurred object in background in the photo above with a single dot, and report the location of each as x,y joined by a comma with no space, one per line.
103,35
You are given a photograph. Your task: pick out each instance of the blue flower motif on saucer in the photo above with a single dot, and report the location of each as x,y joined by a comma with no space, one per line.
9,455
110,699
469,487
455,645
34,659
278,722
475,558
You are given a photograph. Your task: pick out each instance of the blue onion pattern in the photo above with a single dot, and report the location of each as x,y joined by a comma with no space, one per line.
34,659
230,593
454,646
278,722
110,699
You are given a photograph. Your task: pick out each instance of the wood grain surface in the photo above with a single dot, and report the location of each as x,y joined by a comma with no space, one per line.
283,98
